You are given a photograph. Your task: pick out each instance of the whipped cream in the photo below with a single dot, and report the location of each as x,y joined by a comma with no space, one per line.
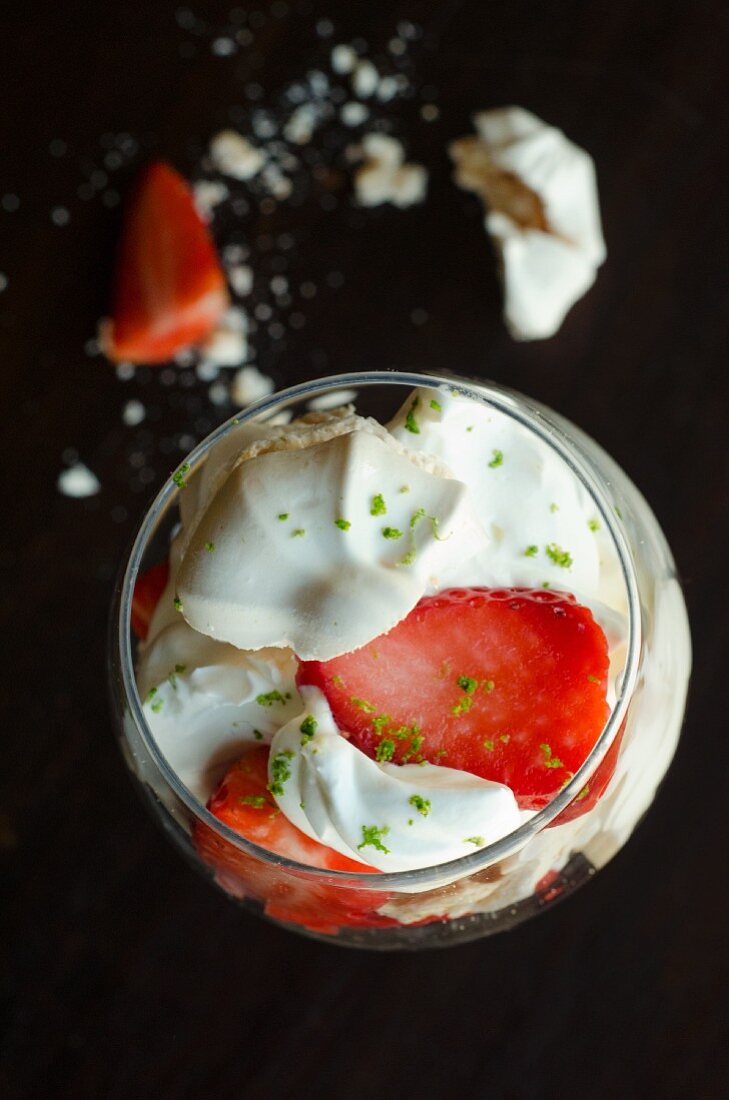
206,700
393,817
487,503
543,213
541,523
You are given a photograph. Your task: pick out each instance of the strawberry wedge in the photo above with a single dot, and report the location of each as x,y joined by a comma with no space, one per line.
509,684
170,289
148,588
244,803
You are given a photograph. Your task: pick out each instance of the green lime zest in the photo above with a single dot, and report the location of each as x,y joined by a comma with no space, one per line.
179,476
372,837
549,760
560,557
422,805
280,771
308,728
411,423
268,698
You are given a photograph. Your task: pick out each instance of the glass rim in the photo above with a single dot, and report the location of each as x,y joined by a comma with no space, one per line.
506,401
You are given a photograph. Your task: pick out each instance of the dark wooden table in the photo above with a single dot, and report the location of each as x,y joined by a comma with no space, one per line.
123,973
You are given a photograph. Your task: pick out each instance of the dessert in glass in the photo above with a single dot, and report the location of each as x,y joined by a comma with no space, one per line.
405,679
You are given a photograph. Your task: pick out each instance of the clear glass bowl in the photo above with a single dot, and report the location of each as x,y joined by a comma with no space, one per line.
525,872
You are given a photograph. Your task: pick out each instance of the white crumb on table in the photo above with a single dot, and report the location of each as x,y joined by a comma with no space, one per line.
236,156
343,60
133,413
365,80
385,177
301,125
249,384
353,113
78,481
227,345
208,194
240,277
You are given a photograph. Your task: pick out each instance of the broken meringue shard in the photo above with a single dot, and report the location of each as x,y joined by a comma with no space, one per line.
542,212
323,547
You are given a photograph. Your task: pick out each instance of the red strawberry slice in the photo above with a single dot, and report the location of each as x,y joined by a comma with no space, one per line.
170,289
148,588
243,802
506,683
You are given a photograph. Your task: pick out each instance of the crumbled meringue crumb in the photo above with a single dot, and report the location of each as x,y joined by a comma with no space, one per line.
240,277
78,481
227,346
343,60
365,80
301,125
208,194
384,177
249,384
133,413
235,156
353,113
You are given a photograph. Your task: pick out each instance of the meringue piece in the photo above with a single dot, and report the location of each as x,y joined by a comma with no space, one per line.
384,176
235,156
541,521
293,550
246,441
540,192
205,700
393,817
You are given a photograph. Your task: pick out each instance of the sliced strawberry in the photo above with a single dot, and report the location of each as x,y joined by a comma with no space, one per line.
170,289
507,683
148,588
243,802
595,787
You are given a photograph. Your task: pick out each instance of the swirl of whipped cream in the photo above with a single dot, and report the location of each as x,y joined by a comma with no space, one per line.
394,817
205,700
541,522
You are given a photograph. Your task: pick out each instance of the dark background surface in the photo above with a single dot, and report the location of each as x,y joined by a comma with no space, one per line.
124,974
